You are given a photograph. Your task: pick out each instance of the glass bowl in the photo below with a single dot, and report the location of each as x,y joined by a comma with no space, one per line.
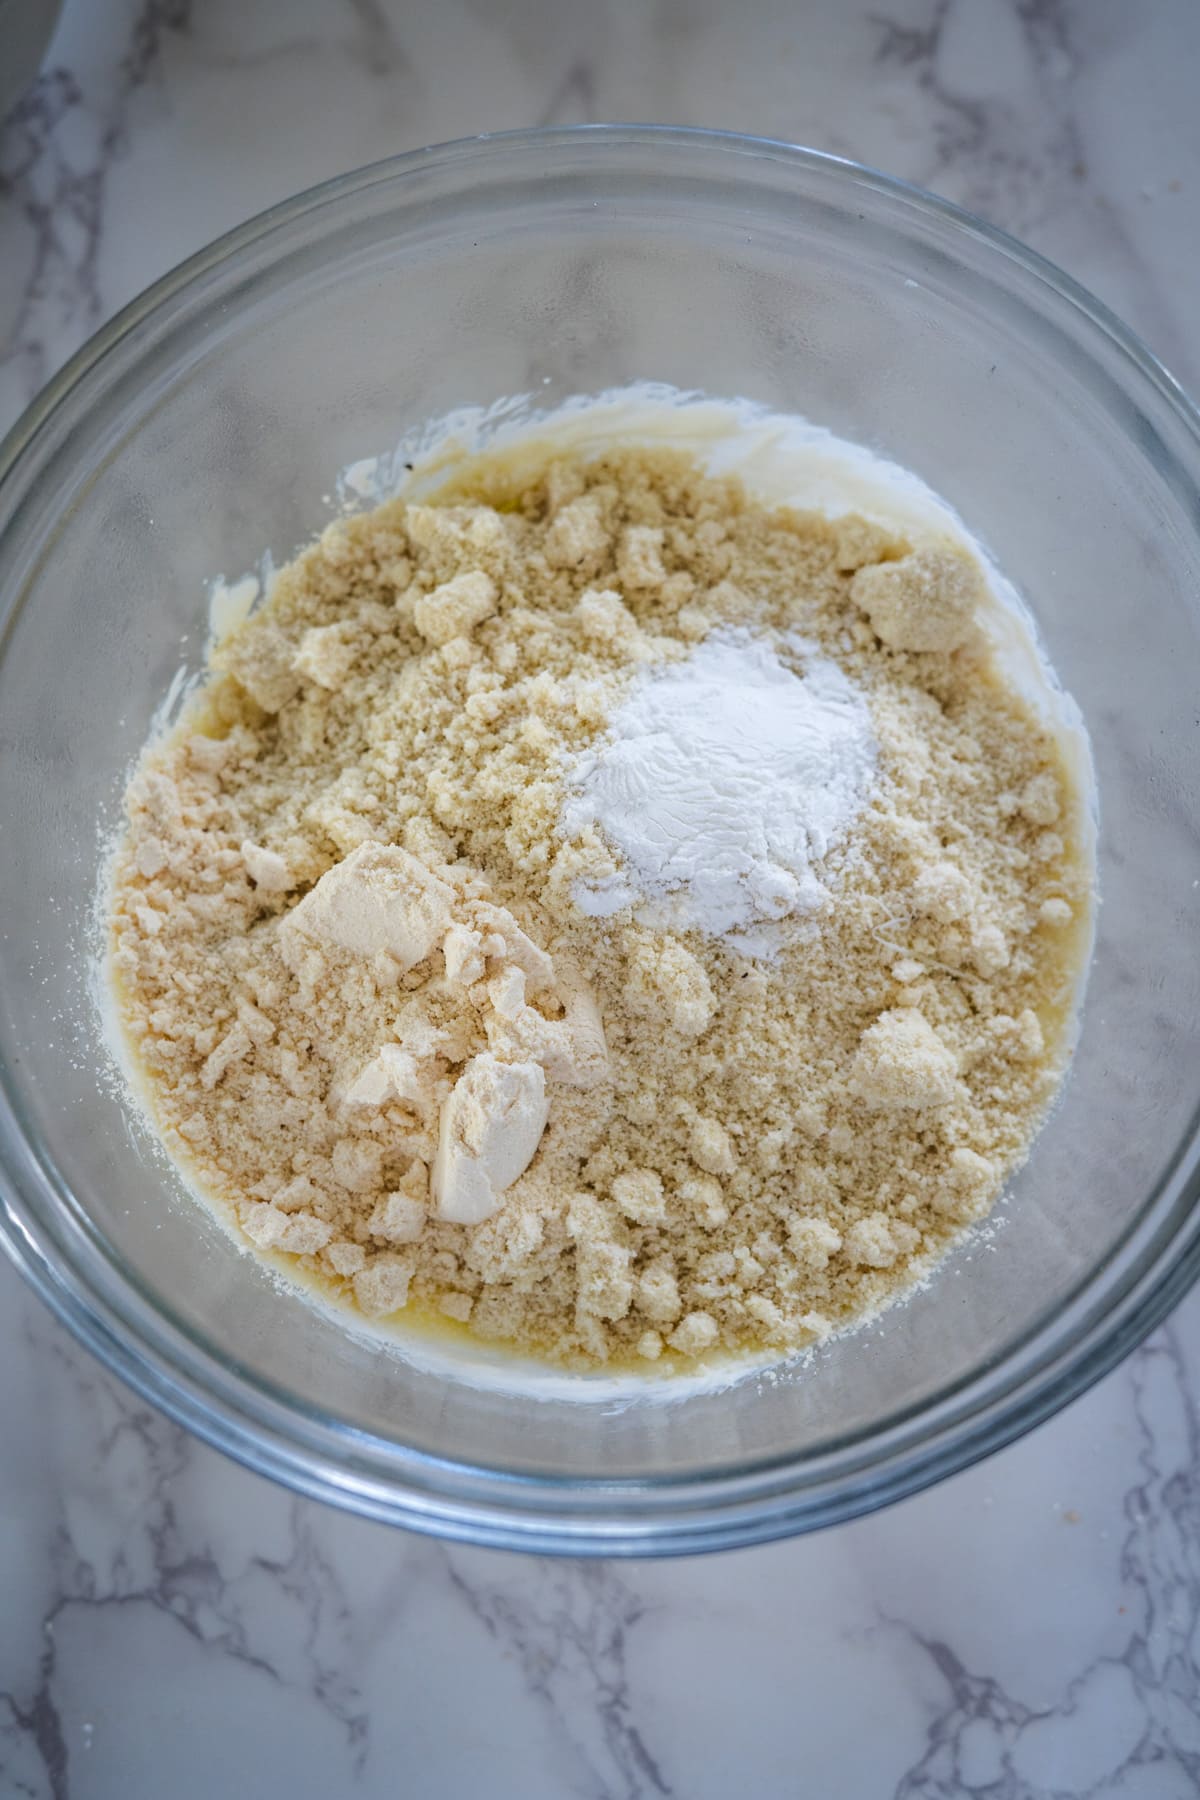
206,424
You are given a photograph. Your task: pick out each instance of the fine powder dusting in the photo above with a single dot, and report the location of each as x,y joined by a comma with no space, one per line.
378,1028
724,779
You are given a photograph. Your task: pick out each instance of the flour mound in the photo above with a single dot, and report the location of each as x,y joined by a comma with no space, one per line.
377,1025
725,779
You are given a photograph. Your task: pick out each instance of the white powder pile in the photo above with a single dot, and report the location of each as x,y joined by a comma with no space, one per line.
724,779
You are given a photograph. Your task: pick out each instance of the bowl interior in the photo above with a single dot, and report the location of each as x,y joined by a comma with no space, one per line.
210,430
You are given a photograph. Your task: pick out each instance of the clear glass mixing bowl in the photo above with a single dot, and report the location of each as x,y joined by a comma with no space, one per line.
206,424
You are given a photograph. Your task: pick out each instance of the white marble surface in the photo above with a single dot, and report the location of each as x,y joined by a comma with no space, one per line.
172,1626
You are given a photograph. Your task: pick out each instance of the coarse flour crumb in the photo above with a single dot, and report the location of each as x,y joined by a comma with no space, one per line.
426,993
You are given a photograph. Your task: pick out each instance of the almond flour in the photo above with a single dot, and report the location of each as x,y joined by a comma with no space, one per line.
377,1026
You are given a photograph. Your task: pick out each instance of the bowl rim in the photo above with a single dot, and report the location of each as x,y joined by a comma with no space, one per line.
592,1515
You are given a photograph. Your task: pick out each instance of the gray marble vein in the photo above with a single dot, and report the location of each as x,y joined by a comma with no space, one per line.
568,1626
1126,1721
170,1624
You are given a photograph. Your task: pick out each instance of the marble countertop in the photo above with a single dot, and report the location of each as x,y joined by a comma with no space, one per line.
170,1625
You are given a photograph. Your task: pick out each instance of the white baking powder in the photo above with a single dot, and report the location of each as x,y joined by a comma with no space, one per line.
723,781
